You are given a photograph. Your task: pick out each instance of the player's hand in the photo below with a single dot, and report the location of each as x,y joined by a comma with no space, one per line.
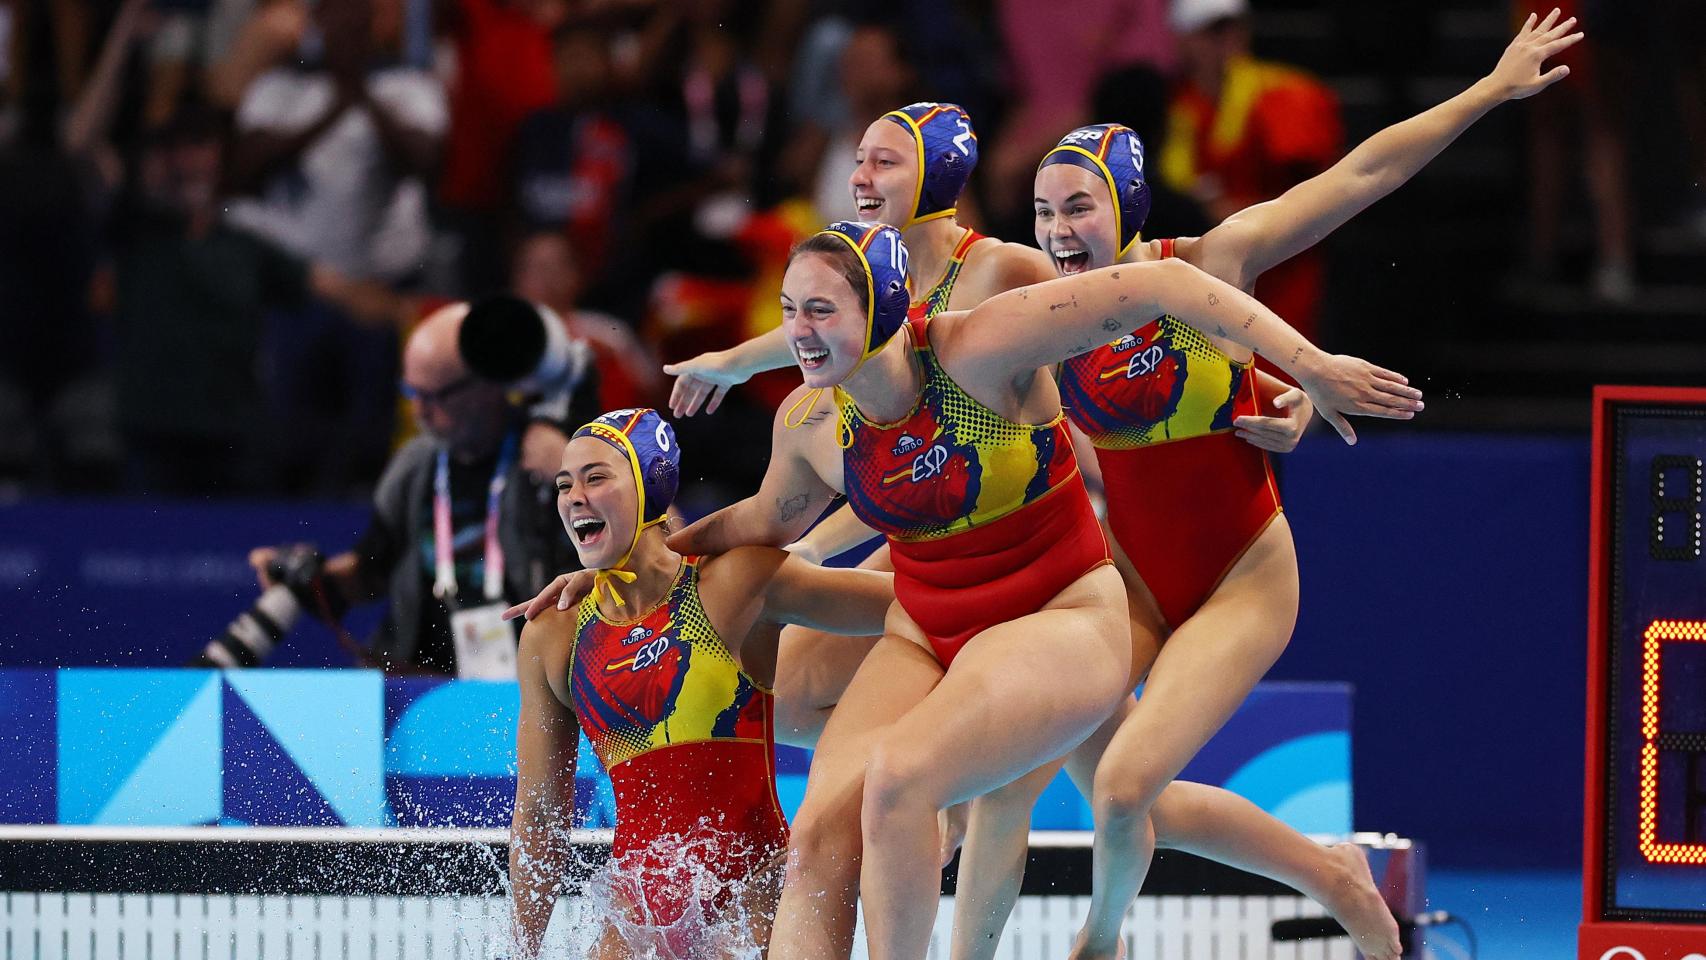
1278,434
1344,386
1518,74
260,558
564,592
709,375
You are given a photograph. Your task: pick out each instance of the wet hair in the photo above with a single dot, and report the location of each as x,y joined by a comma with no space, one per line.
845,260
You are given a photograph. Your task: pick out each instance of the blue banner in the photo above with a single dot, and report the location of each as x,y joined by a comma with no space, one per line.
122,747
140,584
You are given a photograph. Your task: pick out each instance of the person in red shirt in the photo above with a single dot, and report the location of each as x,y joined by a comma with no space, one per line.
1242,130
504,72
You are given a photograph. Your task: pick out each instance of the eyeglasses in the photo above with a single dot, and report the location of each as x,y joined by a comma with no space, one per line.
438,397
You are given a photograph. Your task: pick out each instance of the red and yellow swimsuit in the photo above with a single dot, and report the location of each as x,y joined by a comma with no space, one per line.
987,520
1186,497
936,300
687,739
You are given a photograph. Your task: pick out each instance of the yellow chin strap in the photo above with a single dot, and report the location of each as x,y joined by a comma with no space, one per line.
602,578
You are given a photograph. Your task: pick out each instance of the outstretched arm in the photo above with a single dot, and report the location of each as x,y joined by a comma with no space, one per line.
547,738
842,602
1041,325
1254,239
710,375
791,496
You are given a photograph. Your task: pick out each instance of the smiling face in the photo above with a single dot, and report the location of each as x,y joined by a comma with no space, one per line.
598,501
823,319
1076,222
885,174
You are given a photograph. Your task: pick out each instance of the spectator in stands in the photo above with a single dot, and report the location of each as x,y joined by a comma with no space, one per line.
504,72
876,75
596,165
1583,128
546,271
339,151
190,291
433,546
1054,62
1243,130
1137,97
48,341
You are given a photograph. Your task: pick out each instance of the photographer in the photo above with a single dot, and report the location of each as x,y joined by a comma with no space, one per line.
463,520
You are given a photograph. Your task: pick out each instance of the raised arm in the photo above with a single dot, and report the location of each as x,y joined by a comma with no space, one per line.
547,738
1041,325
91,116
791,496
710,375
842,602
1254,239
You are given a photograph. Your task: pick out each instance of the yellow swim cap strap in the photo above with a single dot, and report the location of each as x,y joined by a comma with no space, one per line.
809,401
601,583
950,212
601,578
918,146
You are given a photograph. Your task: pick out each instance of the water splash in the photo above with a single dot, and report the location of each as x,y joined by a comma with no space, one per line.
671,901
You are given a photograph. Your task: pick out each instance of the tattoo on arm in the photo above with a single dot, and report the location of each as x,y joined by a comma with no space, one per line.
1213,300
1116,277
789,509
1295,356
1220,331
1124,298
1249,321
1110,324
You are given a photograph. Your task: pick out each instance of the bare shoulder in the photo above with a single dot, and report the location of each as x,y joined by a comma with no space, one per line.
1007,266
734,588
547,641
948,326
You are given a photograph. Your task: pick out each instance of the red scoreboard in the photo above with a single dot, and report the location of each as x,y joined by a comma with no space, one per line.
1644,835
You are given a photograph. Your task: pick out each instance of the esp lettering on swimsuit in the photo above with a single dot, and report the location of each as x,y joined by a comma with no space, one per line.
650,654
1143,363
655,646
924,466
929,463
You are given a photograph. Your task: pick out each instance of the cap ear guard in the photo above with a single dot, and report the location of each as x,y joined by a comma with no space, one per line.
946,151
647,440
1114,153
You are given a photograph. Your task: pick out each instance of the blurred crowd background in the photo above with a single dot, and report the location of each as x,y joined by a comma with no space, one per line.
219,219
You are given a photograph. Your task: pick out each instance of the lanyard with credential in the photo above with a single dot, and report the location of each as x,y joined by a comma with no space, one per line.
444,579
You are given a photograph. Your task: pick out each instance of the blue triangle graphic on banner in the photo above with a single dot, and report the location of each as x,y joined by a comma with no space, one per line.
263,786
